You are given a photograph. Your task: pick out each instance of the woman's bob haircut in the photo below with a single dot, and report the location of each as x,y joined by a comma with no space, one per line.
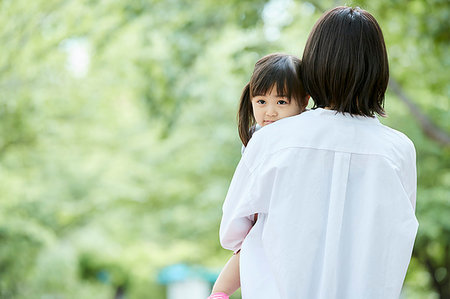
345,65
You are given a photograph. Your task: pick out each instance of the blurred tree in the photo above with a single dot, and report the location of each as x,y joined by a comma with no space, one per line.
118,136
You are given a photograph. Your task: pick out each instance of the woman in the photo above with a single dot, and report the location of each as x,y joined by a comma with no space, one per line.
333,188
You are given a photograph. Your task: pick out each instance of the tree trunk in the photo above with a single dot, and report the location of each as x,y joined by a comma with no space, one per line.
430,130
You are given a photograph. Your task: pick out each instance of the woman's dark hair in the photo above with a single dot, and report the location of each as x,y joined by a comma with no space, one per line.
274,70
345,65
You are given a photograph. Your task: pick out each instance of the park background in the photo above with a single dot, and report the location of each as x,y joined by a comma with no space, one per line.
118,134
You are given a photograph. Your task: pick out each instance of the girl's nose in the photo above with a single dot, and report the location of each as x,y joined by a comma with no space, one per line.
271,112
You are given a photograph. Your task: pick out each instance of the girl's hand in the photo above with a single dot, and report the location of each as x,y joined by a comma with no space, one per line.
220,295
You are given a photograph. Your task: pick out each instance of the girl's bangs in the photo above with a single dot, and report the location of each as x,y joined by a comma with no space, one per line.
284,83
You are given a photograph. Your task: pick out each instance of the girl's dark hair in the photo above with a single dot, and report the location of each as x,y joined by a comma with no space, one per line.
345,64
280,70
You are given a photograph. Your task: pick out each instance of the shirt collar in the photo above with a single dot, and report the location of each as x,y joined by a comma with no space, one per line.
345,115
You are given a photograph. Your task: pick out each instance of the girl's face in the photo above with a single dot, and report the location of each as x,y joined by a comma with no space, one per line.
271,107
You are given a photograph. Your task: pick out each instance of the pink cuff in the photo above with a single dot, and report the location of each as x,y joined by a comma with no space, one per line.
218,296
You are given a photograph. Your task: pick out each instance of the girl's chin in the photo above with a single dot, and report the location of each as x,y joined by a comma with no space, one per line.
267,123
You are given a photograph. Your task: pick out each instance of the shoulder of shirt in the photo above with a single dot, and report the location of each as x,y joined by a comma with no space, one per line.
275,137
267,140
399,138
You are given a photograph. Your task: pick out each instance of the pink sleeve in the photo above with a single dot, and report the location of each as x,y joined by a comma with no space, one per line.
218,296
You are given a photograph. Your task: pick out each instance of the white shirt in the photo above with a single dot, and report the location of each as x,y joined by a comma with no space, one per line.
335,196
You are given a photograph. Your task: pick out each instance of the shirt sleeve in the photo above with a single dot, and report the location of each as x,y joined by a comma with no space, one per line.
238,212
411,176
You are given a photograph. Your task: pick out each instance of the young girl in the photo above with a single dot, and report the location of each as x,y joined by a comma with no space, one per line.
275,91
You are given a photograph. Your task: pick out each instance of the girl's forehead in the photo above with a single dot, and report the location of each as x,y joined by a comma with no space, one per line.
272,90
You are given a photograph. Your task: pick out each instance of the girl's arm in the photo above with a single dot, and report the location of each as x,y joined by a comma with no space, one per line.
229,279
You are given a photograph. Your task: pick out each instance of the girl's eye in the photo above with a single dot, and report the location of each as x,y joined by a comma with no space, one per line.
261,102
282,102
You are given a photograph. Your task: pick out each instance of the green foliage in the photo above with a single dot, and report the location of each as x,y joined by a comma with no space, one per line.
111,171
19,249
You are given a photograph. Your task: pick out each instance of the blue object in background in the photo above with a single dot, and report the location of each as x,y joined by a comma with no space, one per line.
183,272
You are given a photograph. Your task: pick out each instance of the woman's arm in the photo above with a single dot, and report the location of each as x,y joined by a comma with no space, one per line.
229,279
